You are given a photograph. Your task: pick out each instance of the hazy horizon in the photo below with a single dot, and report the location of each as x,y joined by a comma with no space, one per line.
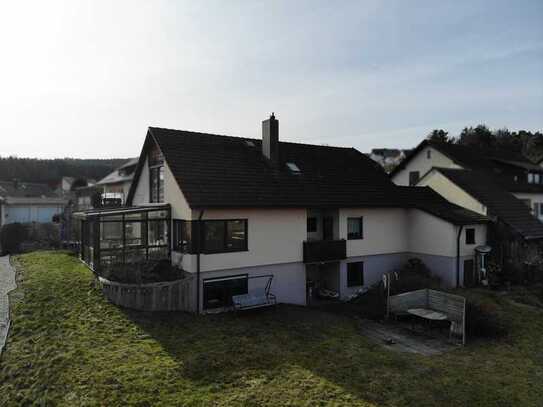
84,79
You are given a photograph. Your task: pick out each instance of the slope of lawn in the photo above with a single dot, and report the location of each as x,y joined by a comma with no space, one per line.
69,347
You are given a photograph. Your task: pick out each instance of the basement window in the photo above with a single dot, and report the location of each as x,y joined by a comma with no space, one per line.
294,168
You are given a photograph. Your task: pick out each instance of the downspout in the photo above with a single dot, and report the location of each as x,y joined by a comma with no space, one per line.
458,255
198,251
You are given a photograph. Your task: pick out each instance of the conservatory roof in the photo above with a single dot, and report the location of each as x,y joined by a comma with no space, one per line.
122,210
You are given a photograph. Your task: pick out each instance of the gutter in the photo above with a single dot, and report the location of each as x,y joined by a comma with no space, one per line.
461,227
198,251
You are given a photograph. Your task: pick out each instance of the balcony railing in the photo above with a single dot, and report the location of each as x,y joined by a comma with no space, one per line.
324,250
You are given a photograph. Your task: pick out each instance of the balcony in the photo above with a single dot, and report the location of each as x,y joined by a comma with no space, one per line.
324,250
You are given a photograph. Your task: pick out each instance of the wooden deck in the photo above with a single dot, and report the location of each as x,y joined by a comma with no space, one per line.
398,337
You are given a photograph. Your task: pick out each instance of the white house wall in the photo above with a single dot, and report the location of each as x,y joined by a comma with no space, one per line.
141,195
384,231
451,192
430,235
275,236
423,164
174,196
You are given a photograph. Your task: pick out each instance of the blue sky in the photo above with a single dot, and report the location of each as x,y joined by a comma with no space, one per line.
86,78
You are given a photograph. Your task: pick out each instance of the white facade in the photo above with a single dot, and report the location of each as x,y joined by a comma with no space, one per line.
275,239
423,162
534,201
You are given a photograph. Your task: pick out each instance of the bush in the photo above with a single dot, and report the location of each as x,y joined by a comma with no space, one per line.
483,320
151,271
12,236
414,275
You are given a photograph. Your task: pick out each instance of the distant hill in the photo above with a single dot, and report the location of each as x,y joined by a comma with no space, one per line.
51,171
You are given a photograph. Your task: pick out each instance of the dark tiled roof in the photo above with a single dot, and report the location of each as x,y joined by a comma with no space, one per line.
499,201
426,199
25,190
223,171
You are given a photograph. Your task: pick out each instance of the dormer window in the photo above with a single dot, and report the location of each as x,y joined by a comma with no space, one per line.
293,168
530,178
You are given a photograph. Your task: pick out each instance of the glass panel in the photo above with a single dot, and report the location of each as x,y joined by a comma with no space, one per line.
235,236
354,228
111,235
161,184
132,232
134,216
214,235
158,233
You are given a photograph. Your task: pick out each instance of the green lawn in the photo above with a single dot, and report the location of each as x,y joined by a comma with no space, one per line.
70,347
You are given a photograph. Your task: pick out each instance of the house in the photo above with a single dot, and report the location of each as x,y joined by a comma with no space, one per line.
311,216
388,158
115,186
25,202
505,186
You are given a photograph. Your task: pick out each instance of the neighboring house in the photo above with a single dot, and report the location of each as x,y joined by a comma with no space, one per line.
115,186
24,202
502,185
311,216
388,158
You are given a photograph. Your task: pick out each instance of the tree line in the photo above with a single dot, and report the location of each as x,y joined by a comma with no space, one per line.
50,171
528,143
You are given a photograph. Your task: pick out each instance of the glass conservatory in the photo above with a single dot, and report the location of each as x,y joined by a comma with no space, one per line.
123,237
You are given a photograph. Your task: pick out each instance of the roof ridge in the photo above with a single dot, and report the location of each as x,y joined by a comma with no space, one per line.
247,138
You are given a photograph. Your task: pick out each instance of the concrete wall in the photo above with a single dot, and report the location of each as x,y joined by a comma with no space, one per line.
451,192
384,231
423,164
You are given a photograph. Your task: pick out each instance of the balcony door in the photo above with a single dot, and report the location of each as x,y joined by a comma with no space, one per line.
328,228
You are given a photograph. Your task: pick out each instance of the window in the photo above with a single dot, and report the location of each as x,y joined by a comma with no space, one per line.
355,274
414,177
182,236
225,235
156,184
530,177
536,178
293,168
470,236
429,154
311,225
218,292
355,228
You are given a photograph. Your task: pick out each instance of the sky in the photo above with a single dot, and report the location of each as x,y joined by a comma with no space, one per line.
86,78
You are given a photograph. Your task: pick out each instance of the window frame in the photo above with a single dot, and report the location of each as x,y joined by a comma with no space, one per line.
360,220
429,154
205,299
224,248
360,279
470,237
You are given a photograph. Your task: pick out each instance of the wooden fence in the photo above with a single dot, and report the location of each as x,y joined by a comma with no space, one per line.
454,306
175,295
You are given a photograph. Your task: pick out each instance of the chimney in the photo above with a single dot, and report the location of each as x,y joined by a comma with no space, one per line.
270,139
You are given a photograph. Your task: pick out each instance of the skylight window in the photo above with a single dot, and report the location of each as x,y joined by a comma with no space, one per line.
293,168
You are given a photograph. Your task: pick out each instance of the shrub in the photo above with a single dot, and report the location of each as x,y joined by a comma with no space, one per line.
150,271
12,236
483,320
414,275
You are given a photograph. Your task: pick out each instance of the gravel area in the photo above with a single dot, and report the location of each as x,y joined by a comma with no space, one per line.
7,283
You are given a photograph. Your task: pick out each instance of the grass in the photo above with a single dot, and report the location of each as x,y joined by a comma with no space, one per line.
69,347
